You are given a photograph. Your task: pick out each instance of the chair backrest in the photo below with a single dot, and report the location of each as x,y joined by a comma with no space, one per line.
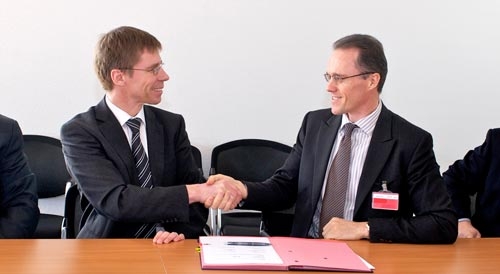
197,157
46,161
72,213
250,160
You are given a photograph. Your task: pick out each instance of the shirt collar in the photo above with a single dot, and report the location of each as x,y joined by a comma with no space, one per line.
121,115
366,124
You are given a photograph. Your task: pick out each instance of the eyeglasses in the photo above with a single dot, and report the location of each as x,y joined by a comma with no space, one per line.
338,78
154,70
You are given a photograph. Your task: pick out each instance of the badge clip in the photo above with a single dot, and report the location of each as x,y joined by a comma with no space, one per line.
384,186
385,199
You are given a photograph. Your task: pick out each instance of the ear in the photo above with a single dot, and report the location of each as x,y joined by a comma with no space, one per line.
117,76
374,79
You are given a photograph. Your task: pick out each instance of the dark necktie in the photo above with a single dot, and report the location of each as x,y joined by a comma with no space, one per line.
143,171
336,185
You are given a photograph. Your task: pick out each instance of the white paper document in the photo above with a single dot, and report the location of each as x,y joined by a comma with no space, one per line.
239,250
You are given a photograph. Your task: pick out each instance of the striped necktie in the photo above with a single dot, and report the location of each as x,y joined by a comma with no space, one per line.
143,170
336,184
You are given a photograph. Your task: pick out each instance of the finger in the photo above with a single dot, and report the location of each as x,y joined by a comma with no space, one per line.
217,200
159,237
179,237
225,200
230,203
238,196
170,237
232,188
235,200
235,203
209,202
211,180
233,192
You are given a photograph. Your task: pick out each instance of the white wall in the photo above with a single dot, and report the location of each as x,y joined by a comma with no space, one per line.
252,68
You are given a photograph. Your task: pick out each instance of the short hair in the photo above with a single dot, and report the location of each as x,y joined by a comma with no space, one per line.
121,48
371,54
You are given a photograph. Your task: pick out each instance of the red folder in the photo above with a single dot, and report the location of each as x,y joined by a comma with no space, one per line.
295,254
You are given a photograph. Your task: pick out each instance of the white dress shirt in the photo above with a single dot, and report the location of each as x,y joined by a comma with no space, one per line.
360,141
123,117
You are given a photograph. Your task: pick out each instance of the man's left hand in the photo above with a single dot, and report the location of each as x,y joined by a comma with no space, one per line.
165,237
341,229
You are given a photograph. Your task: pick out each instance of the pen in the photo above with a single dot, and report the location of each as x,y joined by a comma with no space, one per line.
248,243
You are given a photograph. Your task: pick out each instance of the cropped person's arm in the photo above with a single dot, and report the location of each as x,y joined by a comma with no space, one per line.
19,202
466,176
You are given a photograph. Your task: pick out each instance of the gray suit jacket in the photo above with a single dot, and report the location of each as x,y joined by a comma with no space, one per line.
399,153
99,158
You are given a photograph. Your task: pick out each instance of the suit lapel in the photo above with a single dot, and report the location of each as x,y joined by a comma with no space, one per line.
117,141
378,153
326,137
156,144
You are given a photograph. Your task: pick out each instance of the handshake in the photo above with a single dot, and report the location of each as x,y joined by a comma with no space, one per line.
219,191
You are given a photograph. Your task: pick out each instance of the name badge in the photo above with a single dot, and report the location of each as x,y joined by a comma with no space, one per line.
385,200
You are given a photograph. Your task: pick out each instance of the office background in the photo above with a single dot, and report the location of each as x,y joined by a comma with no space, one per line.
253,68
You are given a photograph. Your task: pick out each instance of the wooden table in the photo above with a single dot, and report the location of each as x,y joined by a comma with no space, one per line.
465,256
141,256
79,256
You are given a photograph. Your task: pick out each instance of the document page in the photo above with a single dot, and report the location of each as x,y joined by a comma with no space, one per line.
229,250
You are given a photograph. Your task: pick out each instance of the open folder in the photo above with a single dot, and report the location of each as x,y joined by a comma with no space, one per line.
278,253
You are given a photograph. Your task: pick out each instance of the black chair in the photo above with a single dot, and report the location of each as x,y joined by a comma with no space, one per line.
46,160
72,213
250,160
197,157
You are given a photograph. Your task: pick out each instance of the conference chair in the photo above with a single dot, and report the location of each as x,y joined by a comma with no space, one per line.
197,158
46,161
250,160
73,213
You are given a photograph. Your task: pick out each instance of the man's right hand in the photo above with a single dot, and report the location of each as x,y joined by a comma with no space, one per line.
219,191
218,201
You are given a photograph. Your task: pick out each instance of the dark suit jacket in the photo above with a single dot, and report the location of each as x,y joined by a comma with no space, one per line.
478,173
18,193
99,158
399,153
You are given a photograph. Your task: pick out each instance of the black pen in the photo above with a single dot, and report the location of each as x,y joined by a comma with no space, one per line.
248,243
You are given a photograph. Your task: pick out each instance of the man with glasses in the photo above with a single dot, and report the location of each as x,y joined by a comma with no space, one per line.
133,162
357,170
